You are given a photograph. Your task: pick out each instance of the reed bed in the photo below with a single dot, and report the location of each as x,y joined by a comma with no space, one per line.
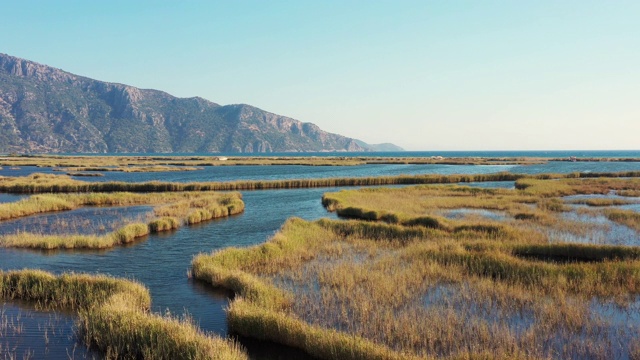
353,289
48,183
590,183
534,201
410,282
624,217
516,215
85,174
629,193
126,234
114,316
172,210
43,183
74,171
38,204
395,205
86,221
259,310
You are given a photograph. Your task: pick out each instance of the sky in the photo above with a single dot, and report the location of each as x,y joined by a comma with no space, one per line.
425,75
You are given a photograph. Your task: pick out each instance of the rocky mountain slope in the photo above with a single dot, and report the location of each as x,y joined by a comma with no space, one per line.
47,110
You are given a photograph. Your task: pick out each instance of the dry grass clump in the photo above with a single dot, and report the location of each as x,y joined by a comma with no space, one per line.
164,224
72,291
602,202
73,171
114,316
124,235
589,184
172,210
629,193
624,217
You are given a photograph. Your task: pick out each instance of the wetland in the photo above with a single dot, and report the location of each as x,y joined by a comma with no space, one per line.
450,288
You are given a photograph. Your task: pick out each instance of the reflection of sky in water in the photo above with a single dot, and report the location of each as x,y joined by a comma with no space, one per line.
611,195
601,231
9,198
452,296
491,184
23,333
466,212
616,326
634,206
620,324
85,221
627,315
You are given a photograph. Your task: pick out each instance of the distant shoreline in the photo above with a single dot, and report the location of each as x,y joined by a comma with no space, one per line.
546,154
88,165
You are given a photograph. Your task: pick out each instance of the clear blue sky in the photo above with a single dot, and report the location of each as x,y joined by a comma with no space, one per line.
426,75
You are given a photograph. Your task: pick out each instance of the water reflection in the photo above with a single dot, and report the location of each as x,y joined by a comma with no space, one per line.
27,333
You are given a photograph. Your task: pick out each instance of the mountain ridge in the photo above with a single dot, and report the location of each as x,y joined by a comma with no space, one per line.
48,110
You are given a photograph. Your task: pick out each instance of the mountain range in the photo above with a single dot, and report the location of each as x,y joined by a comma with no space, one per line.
47,110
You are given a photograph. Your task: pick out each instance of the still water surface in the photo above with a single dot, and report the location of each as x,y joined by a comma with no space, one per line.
161,261
280,172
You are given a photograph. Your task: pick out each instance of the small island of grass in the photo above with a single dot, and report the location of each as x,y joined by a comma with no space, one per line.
172,209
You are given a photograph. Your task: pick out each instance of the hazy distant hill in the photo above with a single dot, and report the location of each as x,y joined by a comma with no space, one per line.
44,109
379,147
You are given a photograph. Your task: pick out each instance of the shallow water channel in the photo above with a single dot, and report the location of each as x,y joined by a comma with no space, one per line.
161,261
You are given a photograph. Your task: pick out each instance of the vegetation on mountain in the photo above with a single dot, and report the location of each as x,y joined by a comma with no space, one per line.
44,110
